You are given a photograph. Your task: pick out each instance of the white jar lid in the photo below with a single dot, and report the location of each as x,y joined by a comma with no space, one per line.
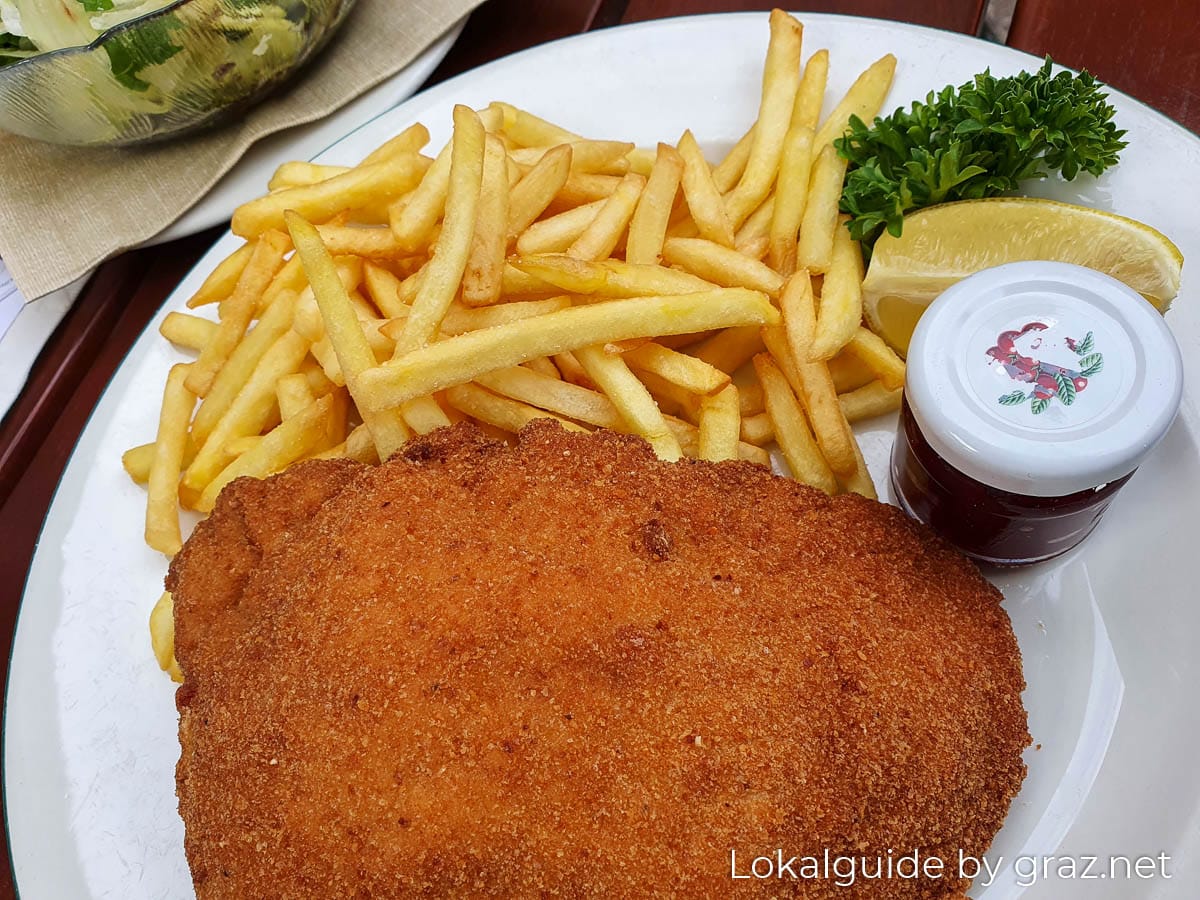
1043,378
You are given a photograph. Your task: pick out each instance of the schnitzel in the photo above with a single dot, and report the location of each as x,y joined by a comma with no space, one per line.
570,668
566,668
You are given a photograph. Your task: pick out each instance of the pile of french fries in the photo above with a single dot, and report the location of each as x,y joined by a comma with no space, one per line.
527,272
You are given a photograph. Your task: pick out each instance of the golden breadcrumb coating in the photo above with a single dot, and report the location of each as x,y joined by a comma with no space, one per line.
568,669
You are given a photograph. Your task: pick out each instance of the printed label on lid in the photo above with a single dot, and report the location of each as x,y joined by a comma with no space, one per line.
1045,373
1048,380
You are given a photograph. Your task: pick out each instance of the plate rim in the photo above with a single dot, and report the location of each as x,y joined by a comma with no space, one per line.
447,86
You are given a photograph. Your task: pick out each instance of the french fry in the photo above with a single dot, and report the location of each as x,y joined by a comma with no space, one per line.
368,242
482,278
859,480
250,410
296,174
294,393
882,359
757,429
529,130
820,220
721,265
776,341
409,287
589,406
411,140
183,330
604,231
242,362
354,354
424,415
864,99
750,398
641,160
445,270
791,428
597,157
162,636
780,83
306,320
729,170
682,224
829,426
358,446
307,317
720,425
223,279
631,399
700,192
799,312
849,372
671,398
284,444
648,227
357,188
502,412
162,497
460,320
557,233
840,312
289,279
688,436
570,369
730,349
564,398
754,237
238,311
459,359
492,120
869,401
806,112
586,187
687,372
681,341
791,195
610,277
543,366
137,460
239,445
317,380
412,218
533,194
381,344
384,288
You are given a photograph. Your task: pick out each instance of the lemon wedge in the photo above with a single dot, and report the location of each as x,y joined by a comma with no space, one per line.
941,245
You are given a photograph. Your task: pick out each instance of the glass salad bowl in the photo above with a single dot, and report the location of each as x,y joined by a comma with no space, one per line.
183,66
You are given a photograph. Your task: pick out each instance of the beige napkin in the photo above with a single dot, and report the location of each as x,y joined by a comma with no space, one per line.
64,210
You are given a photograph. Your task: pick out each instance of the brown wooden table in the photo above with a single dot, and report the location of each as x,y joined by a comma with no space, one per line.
37,437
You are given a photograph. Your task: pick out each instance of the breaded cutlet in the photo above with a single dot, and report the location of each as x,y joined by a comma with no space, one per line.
566,668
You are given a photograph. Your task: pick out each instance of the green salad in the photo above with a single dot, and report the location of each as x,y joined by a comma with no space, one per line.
195,56
29,27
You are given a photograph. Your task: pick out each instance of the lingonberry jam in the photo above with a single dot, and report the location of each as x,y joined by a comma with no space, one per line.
1034,390
984,522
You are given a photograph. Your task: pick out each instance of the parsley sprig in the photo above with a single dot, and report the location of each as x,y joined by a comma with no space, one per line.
974,141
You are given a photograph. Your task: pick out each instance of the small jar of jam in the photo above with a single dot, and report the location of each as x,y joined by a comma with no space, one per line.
1034,390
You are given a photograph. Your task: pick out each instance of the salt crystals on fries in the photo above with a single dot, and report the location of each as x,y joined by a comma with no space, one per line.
523,271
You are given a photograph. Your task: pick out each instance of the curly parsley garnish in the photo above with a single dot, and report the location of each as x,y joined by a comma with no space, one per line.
974,141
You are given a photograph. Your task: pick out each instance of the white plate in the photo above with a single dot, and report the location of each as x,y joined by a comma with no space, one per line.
251,172
91,744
